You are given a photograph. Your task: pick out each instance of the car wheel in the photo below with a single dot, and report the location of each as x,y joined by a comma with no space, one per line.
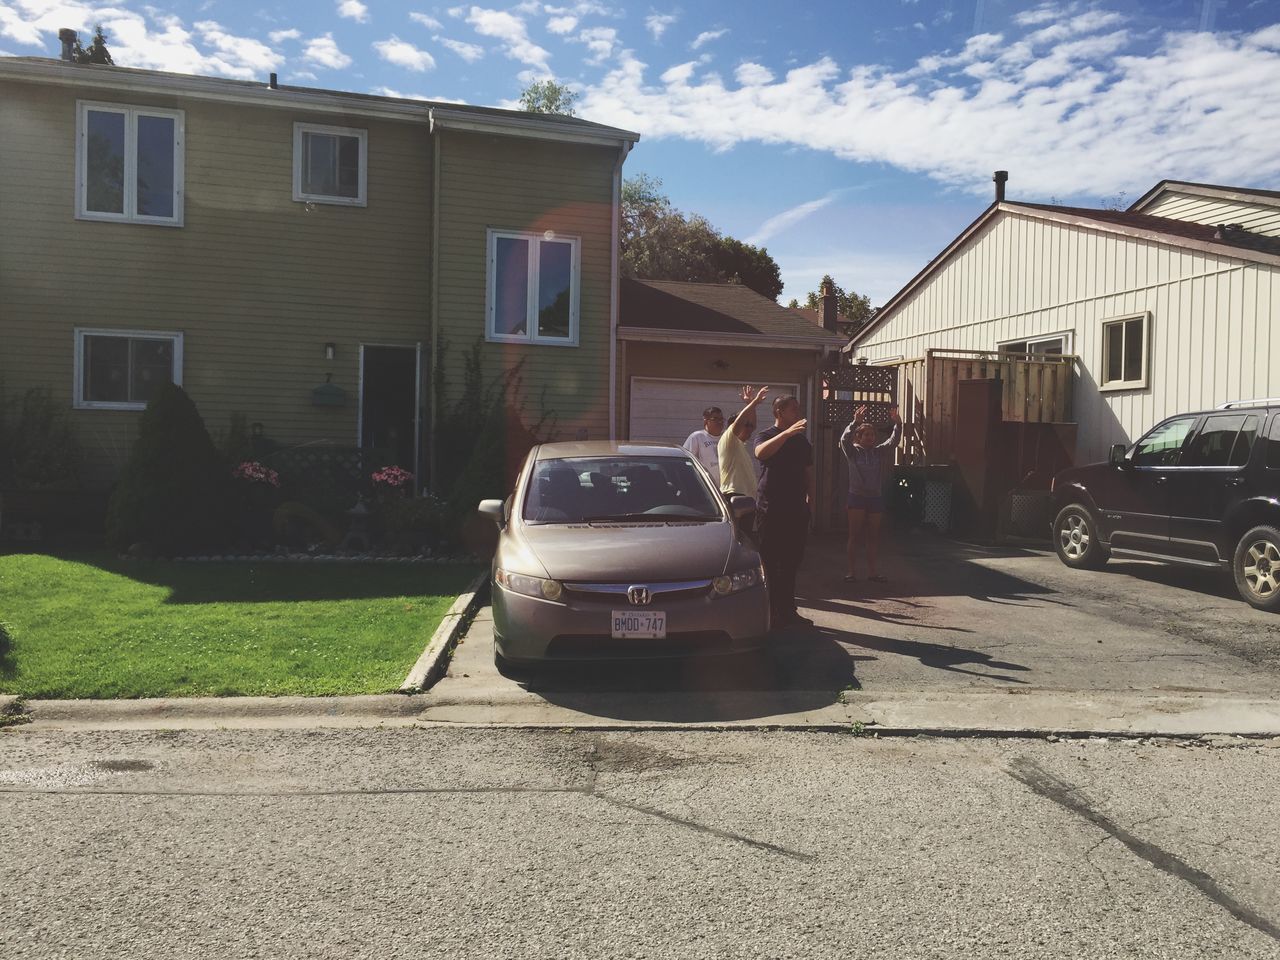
1257,568
510,668
1075,538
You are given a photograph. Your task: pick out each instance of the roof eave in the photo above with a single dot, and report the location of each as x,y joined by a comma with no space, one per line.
531,127
660,335
1203,190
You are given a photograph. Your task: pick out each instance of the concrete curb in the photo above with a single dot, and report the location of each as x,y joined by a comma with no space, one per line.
160,713
433,662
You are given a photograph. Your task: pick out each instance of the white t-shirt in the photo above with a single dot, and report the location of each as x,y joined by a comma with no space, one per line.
705,449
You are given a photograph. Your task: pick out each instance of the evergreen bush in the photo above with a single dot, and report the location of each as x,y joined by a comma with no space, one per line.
172,493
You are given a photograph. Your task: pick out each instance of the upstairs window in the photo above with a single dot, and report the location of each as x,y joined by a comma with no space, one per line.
1124,352
122,369
329,164
533,283
129,164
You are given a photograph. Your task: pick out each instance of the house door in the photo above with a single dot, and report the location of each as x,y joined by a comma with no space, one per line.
389,403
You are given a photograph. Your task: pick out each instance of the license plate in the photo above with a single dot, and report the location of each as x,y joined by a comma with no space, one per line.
639,625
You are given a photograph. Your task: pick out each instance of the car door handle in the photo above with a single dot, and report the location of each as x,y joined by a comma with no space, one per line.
1160,480
1236,482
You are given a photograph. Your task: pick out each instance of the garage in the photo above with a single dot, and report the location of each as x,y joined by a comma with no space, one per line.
667,411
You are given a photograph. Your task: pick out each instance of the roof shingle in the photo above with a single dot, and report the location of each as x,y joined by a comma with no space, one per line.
714,308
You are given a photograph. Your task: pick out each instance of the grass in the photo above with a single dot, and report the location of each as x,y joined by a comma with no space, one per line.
89,625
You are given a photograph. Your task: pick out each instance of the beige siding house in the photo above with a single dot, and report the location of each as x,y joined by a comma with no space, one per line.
1166,312
299,257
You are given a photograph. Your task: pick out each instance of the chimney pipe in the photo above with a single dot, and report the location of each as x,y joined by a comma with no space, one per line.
273,81
828,311
68,38
1001,178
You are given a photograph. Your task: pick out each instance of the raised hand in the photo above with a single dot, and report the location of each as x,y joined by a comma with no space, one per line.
798,426
860,414
760,394
745,392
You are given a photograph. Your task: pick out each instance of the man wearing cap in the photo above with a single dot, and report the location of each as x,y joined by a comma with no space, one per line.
703,443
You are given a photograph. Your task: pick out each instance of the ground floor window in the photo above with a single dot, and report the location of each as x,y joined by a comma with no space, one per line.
122,369
1124,352
1051,346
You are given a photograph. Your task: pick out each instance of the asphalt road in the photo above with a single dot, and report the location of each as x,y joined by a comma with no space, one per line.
453,843
954,619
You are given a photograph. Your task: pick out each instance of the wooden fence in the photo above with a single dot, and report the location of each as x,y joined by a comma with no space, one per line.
1035,390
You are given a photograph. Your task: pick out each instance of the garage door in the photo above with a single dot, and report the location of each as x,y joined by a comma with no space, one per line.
669,410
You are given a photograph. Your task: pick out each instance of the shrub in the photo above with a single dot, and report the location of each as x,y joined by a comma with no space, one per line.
38,448
297,525
172,492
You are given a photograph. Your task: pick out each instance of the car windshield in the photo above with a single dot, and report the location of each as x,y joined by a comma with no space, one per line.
639,489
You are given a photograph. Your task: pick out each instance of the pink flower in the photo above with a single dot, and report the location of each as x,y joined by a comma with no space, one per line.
391,477
251,471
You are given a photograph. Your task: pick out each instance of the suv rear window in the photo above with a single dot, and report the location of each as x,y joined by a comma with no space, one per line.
1223,441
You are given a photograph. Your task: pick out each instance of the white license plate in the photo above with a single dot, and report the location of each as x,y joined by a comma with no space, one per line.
639,625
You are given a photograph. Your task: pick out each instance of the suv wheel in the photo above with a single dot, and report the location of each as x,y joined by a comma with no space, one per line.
1257,568
1075,538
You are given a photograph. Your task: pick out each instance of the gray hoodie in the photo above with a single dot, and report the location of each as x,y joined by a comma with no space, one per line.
867,464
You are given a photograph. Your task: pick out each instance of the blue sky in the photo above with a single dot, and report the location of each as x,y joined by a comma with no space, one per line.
855,138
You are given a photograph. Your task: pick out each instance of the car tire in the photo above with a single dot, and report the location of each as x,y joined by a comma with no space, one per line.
1076,539
511,669
1256,567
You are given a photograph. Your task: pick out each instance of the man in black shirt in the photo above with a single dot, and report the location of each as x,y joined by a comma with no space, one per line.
785,495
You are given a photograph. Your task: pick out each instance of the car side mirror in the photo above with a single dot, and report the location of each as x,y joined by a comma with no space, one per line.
741,506
495,510
1117,455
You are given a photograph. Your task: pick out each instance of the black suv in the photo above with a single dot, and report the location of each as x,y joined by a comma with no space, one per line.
1199,488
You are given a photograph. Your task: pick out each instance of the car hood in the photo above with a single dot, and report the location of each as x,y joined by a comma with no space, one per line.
631,551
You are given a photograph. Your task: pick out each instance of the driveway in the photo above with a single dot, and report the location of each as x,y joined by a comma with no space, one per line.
958,624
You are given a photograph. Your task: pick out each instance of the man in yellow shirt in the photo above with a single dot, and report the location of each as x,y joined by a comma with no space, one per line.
737,469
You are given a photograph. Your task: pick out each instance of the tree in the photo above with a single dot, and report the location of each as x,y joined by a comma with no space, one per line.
96,52
547,96
659,242
854,307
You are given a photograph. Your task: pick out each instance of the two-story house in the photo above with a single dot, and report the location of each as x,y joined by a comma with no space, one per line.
316,261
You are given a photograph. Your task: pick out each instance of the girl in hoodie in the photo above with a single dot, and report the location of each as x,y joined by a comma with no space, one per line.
868,462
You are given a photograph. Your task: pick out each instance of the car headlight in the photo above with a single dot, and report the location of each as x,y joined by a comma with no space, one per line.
733,582
529,586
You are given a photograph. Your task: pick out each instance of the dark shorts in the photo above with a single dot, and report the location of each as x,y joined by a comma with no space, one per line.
858,501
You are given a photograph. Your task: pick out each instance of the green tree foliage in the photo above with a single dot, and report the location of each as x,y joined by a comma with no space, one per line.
854,307
96,52
172,492
547,96
659,242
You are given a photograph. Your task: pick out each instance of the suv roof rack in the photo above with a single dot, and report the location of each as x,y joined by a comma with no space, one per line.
1264,402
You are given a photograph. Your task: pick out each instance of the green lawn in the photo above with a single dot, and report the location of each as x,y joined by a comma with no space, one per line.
89,625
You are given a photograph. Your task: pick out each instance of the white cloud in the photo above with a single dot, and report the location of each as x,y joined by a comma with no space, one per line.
1088,115
470,52
657,23
353,10
390,92
253,56
151,40
279,36
562,25
303,75
705,37
511,30
431,23
789,218
324,52
753,75
402,54
600,41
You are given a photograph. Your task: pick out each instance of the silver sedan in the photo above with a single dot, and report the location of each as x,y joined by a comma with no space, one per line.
619,550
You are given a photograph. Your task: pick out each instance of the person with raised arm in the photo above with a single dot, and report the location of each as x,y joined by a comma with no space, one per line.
786,494
868,463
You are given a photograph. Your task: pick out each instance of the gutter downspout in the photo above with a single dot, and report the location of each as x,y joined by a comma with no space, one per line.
434,392
614,284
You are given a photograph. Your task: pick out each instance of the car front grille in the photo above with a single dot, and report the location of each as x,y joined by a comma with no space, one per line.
615,594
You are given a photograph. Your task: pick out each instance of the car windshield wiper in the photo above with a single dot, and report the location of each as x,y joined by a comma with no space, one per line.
651,517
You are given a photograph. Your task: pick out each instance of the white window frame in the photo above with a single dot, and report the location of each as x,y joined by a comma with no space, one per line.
531,306
1144,381
131,113
80,402
362,199
1066,336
